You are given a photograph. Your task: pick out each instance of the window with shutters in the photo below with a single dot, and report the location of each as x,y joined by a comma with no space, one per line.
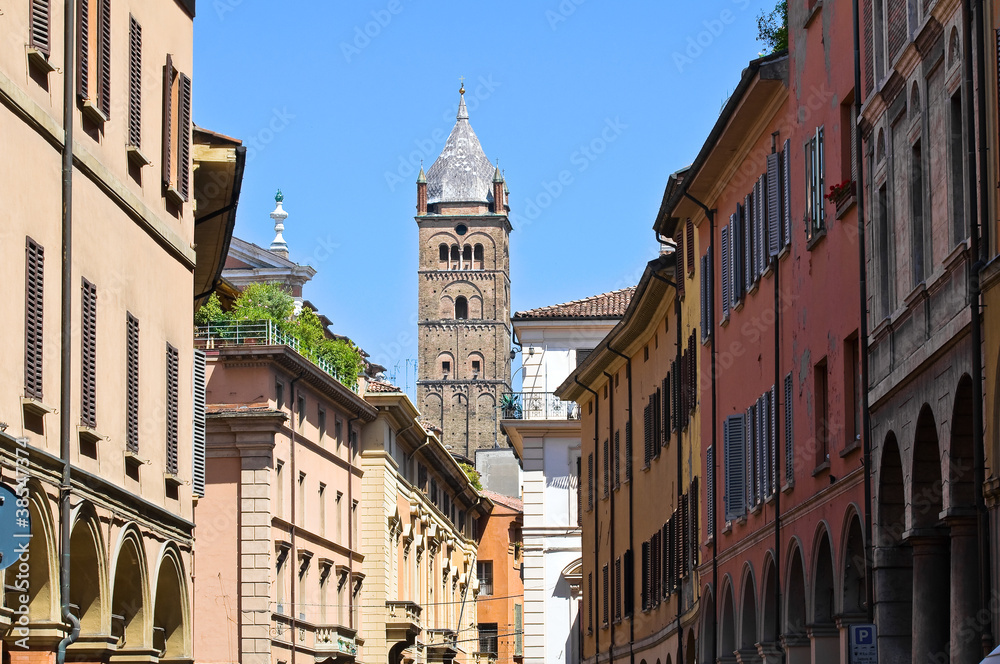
664,402
654,401
34,264
820,424
172,395
605,587
749,276
724,256
679,270
132,383
645,576
590,481
198,435
695,532
176,133
88,355
628,451
733,442
852,392
579,493
772,440
94,58
789,445
773,203
675,411
647,430
489,638
706,297
39,32
736,258
710,489
135,91
618,589
751,455
689,246
815,219
628,571
607,470
786,196
617,461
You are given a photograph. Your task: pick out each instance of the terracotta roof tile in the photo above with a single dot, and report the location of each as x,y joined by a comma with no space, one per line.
380,386
606,305
238,408
506,501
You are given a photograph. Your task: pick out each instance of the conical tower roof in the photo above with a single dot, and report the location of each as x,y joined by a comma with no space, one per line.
462,172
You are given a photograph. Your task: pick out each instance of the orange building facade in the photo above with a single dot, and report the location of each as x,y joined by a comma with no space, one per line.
500,603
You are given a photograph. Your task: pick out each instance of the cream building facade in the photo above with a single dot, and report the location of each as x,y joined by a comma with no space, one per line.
419,538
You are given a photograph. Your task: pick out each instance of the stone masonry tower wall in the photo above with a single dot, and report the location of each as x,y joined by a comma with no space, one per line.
464,329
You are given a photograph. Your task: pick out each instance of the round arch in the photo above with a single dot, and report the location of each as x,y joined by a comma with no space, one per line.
925,500
890,516
853,557
768,599
171,612
961,487
89,584
708,615
130,591
727,620
794,612
823,590
748,611
42,568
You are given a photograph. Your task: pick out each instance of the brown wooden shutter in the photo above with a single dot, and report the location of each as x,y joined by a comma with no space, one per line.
38,37
104,93
172,394
628,451
604,595
590,601
645,575
590,481
689,246
654,400
579,492
695,533
710,488
680,274
692,372
88,355
617,460
774,224
33,318
134,82
607,469
665,410
647,419
83,51
184,140
132,398
168,120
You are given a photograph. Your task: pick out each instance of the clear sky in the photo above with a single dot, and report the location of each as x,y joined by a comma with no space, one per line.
339,101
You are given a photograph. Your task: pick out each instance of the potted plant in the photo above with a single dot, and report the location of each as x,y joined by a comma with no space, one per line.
842,196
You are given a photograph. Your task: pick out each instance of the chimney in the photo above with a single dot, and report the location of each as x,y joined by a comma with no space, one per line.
421,193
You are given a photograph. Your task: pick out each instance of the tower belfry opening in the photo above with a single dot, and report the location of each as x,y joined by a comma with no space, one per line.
464,292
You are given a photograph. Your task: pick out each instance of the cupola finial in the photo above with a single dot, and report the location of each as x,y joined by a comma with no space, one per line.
278,245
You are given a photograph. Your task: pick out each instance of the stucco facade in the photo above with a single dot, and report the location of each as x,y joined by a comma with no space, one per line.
419,538
500,602
130,525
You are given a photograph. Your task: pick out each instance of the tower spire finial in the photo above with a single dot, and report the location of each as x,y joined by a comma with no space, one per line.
461,80
278,245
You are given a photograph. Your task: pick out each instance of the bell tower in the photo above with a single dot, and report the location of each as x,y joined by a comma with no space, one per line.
463,277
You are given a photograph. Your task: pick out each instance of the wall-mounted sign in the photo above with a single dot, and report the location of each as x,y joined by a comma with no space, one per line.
15,526
863,645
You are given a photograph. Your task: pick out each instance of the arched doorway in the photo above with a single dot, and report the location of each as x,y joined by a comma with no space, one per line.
824,632
768,603
42,584
892,564
854,592
129,594
931,584
170,613
796,643
963,528
88,580
748,618
708,624
727,624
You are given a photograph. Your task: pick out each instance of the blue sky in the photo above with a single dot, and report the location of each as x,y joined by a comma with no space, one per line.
338,101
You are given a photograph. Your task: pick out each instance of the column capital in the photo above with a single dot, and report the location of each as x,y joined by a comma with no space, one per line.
820,631
846,619
926,538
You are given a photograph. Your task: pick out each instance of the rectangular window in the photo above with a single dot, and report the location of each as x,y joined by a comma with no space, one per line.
518,630
279,489
590,481
786,193
957,170
38,35
340,516
645,576
134,83
132,380
475,368
628,451
590,602
726,283
789,446
354,522
618,589
176,132
301,407
172,395
605,588
445,369
815,209
336,431
33,318
733,444
607,469
920,249
706,298
710,487
647,432
852,392
322,509
885,272
488,637
629,583
617,461
579,492
300,517
820,413
279,394
772,205
198,456
664,400
94,58
88,355
321,423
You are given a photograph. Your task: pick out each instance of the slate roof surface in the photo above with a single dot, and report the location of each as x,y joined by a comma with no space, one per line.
506,501
461,173
605,305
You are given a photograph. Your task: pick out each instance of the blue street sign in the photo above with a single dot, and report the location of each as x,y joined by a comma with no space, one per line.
863,644
15,526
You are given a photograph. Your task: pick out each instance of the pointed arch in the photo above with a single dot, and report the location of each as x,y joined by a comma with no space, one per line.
823,586
853,567
795,592
130,591
890,515
708,615
925,489
961,488
769,613
727,621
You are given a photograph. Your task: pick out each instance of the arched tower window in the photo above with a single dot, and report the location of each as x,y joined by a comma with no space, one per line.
443,256
461,308
478,257
467,256
454,256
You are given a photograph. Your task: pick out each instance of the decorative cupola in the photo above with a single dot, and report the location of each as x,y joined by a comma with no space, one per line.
421,192
278,245
498,186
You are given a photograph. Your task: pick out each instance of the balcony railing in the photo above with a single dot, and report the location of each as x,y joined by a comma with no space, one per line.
336,639
401,610
262,333
537,406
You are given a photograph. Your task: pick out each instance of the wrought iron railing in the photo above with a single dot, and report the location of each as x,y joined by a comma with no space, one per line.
262,333
537,406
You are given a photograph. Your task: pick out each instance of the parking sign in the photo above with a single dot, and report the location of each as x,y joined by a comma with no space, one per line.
864,644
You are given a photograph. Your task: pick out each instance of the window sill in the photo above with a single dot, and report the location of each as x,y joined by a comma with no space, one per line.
787,488
724,322
39,60
816,238
171,479
136,156
728,528
37,407
89,434
174,196
821,468
756,509
853,447
844,206
92,112
786,249
769,499
739,305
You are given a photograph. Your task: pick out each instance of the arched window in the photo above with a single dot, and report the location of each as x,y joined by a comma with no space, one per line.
467,254
478,256
461,308
454,256
443,250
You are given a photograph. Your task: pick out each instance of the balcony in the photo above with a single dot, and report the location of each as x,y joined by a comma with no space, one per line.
336,641
442,645
402,621
262,333
537,406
